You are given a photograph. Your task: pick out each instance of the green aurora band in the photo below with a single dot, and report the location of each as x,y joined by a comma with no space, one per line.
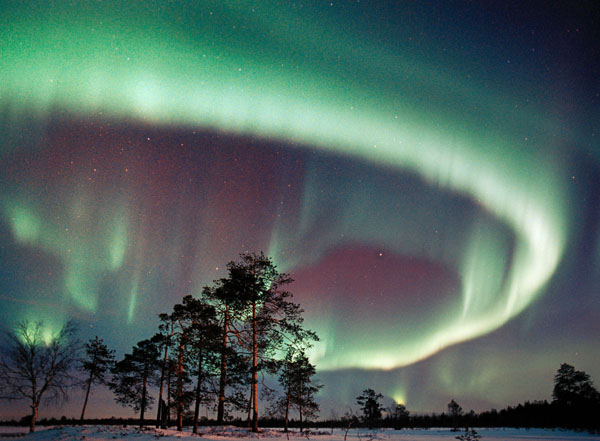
221,66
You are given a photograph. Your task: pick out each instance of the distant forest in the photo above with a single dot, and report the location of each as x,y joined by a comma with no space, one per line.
536,414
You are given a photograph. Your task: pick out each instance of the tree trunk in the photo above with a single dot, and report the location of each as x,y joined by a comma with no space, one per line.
143,406
287,411
169,374
159,415
223,376
87,394
180,387
300,408
198,385
34,415
254,371
249,418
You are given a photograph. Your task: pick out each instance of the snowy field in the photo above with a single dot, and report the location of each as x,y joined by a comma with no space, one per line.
106,433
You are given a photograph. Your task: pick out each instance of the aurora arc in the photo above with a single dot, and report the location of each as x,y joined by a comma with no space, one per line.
89,61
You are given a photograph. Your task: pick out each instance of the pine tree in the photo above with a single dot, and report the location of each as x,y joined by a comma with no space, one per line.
204,340
133,375
369,402
398,414
171,388
576,400
183,316
163,341
573,388
298,388
224,297
272,319
194,332
455,412
99,359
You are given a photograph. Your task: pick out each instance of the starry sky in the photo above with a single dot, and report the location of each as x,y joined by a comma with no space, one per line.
428,173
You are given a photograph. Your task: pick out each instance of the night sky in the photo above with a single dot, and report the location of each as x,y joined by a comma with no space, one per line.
429,174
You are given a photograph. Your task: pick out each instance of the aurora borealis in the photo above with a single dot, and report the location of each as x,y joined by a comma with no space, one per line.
429,176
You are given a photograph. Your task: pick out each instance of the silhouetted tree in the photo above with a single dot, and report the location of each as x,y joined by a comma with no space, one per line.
348,421
132,376
573,388
272,320
305,388
224,297
171,386
99,359
36,365
204,340
370,406
399,415
188,339
298,388
163,341
455,412
575,398
184,317
181,390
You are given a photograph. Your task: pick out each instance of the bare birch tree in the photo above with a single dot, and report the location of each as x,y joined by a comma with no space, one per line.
35,365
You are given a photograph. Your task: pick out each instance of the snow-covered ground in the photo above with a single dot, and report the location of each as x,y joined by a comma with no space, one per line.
110,433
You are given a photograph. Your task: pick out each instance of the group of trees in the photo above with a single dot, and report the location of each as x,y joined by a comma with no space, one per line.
575,404
370,407
213,350
397,416
298,389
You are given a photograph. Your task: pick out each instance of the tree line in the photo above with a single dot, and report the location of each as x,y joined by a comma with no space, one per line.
575,405
214,351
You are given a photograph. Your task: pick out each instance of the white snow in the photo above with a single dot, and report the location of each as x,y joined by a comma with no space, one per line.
110,433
